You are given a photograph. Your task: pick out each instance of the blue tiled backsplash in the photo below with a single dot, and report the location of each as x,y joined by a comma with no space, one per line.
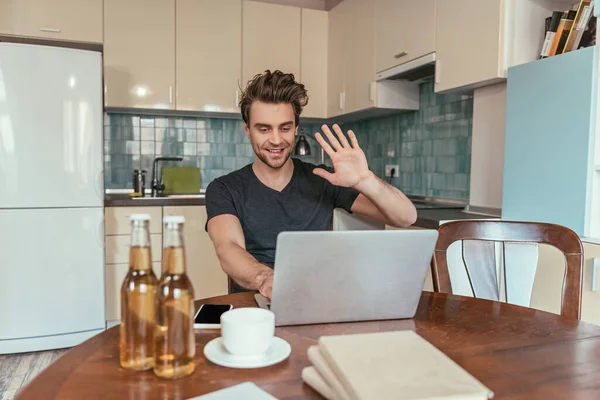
432,145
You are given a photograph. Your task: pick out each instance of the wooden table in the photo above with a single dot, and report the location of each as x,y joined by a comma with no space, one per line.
517,352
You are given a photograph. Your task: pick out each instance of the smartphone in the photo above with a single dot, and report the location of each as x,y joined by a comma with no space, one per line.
209,316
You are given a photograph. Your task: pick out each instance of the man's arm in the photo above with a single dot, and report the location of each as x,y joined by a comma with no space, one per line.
377,199
227,236
384,203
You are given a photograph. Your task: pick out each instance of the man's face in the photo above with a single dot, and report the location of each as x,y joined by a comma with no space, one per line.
271,131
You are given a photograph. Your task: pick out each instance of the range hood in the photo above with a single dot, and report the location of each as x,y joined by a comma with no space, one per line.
418,70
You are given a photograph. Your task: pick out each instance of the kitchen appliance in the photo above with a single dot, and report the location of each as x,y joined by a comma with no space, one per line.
139,181
52,270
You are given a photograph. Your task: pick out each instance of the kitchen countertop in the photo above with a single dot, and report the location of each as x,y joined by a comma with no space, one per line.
428,216
431,217
123,200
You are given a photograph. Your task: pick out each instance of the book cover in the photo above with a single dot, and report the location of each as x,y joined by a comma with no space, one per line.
566,31
552,24
584,12
588,38
397,366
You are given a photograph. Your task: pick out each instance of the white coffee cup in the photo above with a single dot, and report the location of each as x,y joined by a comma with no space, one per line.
247,332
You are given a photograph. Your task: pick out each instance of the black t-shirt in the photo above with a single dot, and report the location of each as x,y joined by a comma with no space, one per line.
305,204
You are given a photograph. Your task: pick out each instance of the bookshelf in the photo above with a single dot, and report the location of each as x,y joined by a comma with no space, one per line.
525,27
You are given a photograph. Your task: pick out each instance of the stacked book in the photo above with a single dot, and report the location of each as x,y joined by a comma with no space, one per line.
569,30
387,365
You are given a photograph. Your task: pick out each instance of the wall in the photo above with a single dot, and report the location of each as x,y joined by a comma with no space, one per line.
487,162
432,146
216,146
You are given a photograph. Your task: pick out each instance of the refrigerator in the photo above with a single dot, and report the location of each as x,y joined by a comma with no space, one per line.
51,197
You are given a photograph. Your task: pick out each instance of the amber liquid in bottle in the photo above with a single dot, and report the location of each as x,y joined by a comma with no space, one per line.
138,309
175,340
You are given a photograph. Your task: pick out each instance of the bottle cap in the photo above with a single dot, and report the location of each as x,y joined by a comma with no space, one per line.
139,217
174,219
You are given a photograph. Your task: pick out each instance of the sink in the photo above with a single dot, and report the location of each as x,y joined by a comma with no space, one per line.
172,196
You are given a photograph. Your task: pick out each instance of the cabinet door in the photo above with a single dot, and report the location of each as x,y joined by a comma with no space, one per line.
209,54
314,61
203,266
419,28
139,53
468,53
336,65
360,55
391,43
73,20
271,39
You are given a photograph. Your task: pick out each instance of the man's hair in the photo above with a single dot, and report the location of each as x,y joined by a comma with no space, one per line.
275,88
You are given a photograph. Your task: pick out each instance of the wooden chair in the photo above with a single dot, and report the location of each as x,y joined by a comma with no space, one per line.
491,232
229,285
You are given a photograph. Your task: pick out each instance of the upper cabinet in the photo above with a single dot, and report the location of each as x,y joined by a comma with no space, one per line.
468,53
352,86
390,38
405,30
139,53
313,71
360,55
499,34
71,20
419,27
271,39
209,55
336,62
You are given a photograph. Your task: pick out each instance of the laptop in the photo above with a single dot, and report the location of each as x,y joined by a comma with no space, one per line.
330,276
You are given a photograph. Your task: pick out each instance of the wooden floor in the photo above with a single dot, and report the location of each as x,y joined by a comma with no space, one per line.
16,370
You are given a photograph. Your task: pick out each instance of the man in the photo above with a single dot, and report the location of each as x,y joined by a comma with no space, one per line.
248,208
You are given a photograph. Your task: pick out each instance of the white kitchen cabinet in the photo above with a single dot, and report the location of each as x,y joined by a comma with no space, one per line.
117,222
468,53
139,53
313,71
203,266
390,38
419,27
405,30
353,92
270,39
71,20
360,56
209,55
336,57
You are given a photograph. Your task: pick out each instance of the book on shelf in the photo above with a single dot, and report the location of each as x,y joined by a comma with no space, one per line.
551,28
569,30
562,33
582,19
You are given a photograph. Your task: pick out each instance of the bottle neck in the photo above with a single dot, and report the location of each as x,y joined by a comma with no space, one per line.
174,254
139,251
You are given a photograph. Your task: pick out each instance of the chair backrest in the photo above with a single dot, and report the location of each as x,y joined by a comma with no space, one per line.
558,236
229,285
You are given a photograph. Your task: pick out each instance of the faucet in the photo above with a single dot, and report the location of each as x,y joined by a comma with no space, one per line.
156,187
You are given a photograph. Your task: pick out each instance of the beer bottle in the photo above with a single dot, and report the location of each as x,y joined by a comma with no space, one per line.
175,341
138,292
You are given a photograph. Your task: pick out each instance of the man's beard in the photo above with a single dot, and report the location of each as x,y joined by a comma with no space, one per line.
264,158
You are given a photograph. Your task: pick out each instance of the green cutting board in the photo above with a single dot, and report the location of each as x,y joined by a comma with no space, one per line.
181,180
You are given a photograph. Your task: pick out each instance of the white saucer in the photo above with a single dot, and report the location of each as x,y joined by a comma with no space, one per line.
278,351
